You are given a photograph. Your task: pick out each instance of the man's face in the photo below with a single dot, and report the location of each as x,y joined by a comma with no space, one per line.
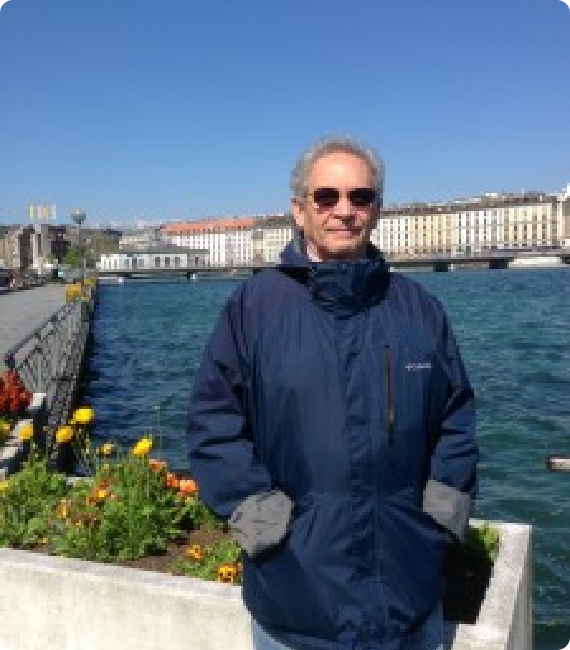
342,230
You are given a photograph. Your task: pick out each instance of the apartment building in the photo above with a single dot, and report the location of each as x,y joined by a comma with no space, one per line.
527,221
234,242
271,234
524,222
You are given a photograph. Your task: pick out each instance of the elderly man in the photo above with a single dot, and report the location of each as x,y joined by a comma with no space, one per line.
333,423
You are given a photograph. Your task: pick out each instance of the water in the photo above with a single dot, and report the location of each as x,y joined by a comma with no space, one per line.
513,330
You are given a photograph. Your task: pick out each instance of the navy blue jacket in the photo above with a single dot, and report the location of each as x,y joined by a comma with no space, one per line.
341,385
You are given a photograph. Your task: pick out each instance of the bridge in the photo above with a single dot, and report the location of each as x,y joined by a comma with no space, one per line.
492,259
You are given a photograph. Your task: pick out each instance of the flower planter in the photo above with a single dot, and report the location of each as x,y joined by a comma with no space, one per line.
51,603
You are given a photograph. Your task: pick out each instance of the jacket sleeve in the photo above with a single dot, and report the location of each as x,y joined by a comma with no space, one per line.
221,452
451,484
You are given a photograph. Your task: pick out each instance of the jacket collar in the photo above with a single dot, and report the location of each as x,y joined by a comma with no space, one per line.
344,288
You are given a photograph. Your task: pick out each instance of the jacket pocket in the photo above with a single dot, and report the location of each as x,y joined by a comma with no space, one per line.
289,588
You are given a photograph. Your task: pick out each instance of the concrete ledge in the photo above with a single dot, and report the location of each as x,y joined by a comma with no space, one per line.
51,603
505,618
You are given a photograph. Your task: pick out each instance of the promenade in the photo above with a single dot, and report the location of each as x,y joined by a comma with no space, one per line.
22,311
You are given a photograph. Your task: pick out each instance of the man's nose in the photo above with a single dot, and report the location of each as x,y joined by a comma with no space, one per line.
344,207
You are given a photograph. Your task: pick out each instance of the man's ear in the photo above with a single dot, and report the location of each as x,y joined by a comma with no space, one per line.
298,211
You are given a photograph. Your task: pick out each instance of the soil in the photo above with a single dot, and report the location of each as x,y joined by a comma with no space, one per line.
174,550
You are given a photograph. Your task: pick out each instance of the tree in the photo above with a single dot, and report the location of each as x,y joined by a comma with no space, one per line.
74,257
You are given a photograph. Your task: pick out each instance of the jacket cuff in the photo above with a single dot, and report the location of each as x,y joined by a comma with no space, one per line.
448,506
261,521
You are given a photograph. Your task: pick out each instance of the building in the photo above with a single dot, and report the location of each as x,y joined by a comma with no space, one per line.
141,239
529,221
154,259
519,222
270,236
227,242
32,246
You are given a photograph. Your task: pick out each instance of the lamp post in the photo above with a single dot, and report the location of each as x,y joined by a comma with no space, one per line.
78,218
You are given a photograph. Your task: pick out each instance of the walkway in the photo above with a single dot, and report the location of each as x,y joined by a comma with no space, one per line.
22,311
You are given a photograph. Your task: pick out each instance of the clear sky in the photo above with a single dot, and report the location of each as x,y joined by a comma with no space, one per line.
180,109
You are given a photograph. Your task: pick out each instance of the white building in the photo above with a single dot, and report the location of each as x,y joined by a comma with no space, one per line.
227,242
153,259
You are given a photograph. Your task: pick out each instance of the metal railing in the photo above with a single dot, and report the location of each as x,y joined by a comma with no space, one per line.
45,357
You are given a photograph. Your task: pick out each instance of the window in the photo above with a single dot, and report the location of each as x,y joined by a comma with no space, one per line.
157,262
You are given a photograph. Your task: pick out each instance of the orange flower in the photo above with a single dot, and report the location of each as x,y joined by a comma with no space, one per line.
156,465
188,487
195,552
172,481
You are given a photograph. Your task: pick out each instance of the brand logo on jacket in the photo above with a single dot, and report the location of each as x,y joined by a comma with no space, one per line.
426,365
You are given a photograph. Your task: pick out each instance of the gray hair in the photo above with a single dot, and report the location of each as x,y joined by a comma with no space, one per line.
300,175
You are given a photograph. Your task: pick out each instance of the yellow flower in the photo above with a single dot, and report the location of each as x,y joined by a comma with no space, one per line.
64,434
63,509
107,449
4,427
227,573
83,415
26,432
143,446
101,494
4,485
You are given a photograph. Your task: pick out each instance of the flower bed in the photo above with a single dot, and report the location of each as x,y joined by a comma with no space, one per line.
130,510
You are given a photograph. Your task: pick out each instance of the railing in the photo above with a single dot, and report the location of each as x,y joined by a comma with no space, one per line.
48,358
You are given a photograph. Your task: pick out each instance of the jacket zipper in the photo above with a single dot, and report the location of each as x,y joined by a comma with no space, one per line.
389,393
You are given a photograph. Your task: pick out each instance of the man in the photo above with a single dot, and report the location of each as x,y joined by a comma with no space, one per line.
332,422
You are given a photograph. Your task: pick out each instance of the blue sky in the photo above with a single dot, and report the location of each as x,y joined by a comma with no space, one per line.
178,109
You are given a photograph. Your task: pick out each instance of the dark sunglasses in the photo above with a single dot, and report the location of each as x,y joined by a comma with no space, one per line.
359,197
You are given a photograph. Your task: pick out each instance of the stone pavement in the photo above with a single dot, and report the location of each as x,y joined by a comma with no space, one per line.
22,311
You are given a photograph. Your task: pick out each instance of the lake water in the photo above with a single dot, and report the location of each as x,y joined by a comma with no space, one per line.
513,330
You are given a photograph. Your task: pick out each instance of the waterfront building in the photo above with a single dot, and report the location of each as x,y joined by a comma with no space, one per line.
271,234
155,258
227,242
527,221
479,225
141,239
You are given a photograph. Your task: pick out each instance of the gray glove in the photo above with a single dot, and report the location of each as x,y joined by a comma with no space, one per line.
448,506
261,521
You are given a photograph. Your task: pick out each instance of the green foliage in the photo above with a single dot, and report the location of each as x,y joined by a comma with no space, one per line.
226,552
26,504
484,540
124,512
73,257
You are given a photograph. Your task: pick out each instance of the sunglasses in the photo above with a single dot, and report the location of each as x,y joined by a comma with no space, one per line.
359,197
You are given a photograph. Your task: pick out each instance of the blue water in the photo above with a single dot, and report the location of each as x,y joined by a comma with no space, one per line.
513,330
